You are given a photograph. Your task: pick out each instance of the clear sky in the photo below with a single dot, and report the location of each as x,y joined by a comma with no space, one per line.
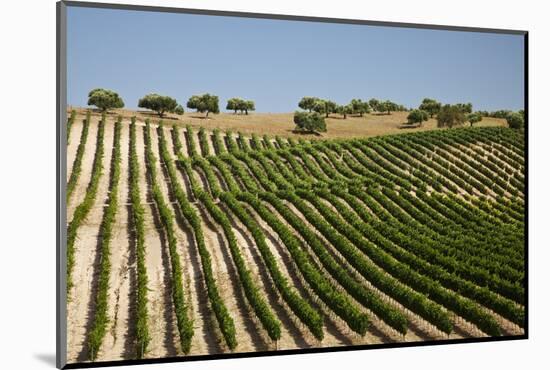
276,62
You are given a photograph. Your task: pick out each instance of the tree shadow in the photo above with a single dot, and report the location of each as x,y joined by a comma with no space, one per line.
99,111
405,126
305,133
155,115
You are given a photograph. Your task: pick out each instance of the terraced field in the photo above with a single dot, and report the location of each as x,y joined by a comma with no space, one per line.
186,242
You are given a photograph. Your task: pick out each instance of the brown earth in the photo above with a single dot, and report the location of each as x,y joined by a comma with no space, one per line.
119,340
282,124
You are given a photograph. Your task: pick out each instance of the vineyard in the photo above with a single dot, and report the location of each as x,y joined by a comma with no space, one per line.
186,241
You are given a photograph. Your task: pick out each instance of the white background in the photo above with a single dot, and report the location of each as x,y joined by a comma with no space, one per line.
27,184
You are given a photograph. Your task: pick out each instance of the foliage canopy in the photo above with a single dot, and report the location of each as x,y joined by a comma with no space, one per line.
204,103
417,116
158,103
310,122
105,99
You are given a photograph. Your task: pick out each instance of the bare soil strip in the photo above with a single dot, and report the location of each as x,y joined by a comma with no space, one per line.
72,146
284,261
119,342
291,335
419,329
334,335
247,330
87,164
378,331
204,338
115,344
80,307
161,320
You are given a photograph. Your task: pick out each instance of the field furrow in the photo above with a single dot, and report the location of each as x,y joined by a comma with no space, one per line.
87,163
72,145
85,273
239,242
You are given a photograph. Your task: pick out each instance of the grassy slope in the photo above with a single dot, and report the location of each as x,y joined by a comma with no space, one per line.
282,124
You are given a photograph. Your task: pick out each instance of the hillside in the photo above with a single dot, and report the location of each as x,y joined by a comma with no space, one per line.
282,124
191,242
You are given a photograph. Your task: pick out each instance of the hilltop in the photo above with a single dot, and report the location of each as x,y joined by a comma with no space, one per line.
281,124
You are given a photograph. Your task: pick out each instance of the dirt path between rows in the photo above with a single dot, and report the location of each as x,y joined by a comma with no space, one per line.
72,145
332,335
160,311
81,307
117,344
247,330
419,329
87,164
204,339
291,335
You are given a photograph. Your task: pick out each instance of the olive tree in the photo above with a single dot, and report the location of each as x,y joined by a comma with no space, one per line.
323,106
233,104
158,103
417,116
360,107
204,103
307,103
319,106
387,106
105,99
450,116
330,107
238,104
503,113
515,120
248,105
474,118
374,104
310,122
431,106
465,108
179,110
344,110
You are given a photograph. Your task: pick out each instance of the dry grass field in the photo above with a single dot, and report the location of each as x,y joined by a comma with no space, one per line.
281,124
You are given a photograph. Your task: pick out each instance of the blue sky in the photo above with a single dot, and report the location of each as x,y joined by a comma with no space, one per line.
275,62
